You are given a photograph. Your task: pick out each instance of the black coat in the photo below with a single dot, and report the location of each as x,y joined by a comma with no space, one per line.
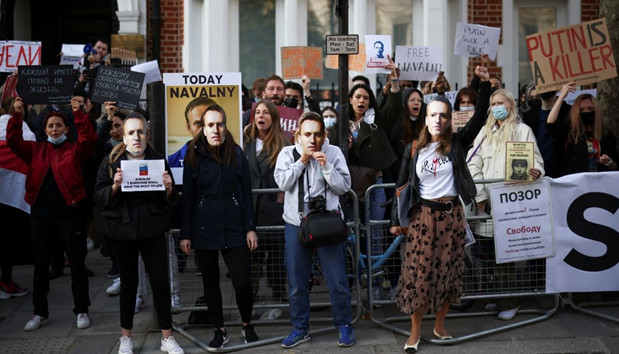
133,215
217,202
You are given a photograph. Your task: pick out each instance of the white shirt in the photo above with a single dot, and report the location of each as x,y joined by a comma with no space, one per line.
435,174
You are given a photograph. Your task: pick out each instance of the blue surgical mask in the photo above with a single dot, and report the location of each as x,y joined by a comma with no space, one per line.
329,122
468,108
57,141
499,112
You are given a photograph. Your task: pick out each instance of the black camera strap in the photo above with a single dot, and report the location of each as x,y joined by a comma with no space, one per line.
301,191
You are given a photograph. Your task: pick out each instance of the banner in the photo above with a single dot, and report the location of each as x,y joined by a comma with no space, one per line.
377,48
12,169
299,61
522,223
580,53
585,208
16,53
418,63
476,40
183,88
119,85
45,84
355,62
72,54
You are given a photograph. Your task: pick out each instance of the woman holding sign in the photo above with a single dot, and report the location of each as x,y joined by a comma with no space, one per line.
135,223
55,175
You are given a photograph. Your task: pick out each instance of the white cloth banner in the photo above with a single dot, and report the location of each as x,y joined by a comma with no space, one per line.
586,229
142,175
522,223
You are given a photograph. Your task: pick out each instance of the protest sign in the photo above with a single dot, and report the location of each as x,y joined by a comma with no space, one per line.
72,54
377,48
299,61
571,96
519,157
522,221
119,85
44,84
355,62
586,232
16,53
142,175
580,53
10,88
460,118
150,70
476,40
183,88
450,95
418,63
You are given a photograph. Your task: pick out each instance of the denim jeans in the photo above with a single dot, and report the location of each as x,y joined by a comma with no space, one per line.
299,263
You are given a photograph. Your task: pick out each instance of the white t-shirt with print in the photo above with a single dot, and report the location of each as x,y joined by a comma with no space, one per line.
435,174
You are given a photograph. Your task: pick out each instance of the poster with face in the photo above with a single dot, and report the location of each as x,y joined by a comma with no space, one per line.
377,48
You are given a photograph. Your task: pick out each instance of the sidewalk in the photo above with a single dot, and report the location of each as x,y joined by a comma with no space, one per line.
567,331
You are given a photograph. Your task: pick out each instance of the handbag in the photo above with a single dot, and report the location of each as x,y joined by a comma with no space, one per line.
320,227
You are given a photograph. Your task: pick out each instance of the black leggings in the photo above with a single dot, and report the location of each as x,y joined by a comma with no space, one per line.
237,261
154,253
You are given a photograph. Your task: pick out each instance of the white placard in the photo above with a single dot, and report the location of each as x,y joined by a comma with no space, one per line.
377,47
16,53
476,40
522,221
150,69
72,54
142,175
571,96
418,63
585,210
450,95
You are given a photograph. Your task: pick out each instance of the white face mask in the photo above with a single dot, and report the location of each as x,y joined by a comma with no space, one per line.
58,140
329,122
469,108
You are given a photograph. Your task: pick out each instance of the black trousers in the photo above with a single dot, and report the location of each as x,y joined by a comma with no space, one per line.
61,231
237,261
154,253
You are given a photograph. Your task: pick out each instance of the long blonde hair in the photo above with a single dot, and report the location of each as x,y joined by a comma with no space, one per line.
577,127
275,139
507,127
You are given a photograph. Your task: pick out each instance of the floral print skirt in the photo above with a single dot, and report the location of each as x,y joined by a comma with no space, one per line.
433,263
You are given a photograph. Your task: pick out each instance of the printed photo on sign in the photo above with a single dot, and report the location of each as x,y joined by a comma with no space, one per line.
476,40
522,221
142,175
187,97
519,157
43,84
585,210
418,63
580,53
377,48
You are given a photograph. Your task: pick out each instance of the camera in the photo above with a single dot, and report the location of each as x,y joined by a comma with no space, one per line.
318,203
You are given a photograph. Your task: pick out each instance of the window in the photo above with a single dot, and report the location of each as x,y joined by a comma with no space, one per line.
257,39
531,20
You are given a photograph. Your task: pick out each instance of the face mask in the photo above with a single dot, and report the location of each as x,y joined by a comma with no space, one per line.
329,122
114,142
57,141
547,95
587,117
469,108
133,154
499,112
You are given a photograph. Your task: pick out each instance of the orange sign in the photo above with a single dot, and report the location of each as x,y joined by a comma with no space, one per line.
299,61
355,62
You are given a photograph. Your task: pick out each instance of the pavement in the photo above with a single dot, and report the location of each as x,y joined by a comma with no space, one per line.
560,329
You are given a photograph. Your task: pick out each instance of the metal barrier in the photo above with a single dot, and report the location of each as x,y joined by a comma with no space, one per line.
190,285
483,278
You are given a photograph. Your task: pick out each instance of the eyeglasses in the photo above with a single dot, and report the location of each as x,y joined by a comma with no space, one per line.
328,116
419,100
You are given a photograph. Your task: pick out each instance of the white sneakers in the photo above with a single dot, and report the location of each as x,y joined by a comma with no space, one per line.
37,321
169,345
114,289
126,345
83,321
34,323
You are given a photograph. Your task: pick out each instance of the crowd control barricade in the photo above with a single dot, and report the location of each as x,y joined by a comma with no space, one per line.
482,279
266,275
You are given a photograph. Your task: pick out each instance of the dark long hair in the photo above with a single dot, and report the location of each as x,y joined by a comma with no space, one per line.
410,129
223,154
373,103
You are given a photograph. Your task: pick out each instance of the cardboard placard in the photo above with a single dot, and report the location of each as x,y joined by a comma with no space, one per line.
580,53
355,62
16,53
119,85
460,118
44,84
299,61
476,40
418,63
377,48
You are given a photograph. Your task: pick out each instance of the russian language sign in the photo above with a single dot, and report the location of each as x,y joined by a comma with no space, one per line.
580,53
299,61
16,53
522,222
44,84
119,85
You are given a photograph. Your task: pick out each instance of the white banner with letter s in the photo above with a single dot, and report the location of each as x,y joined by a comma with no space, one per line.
586,228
